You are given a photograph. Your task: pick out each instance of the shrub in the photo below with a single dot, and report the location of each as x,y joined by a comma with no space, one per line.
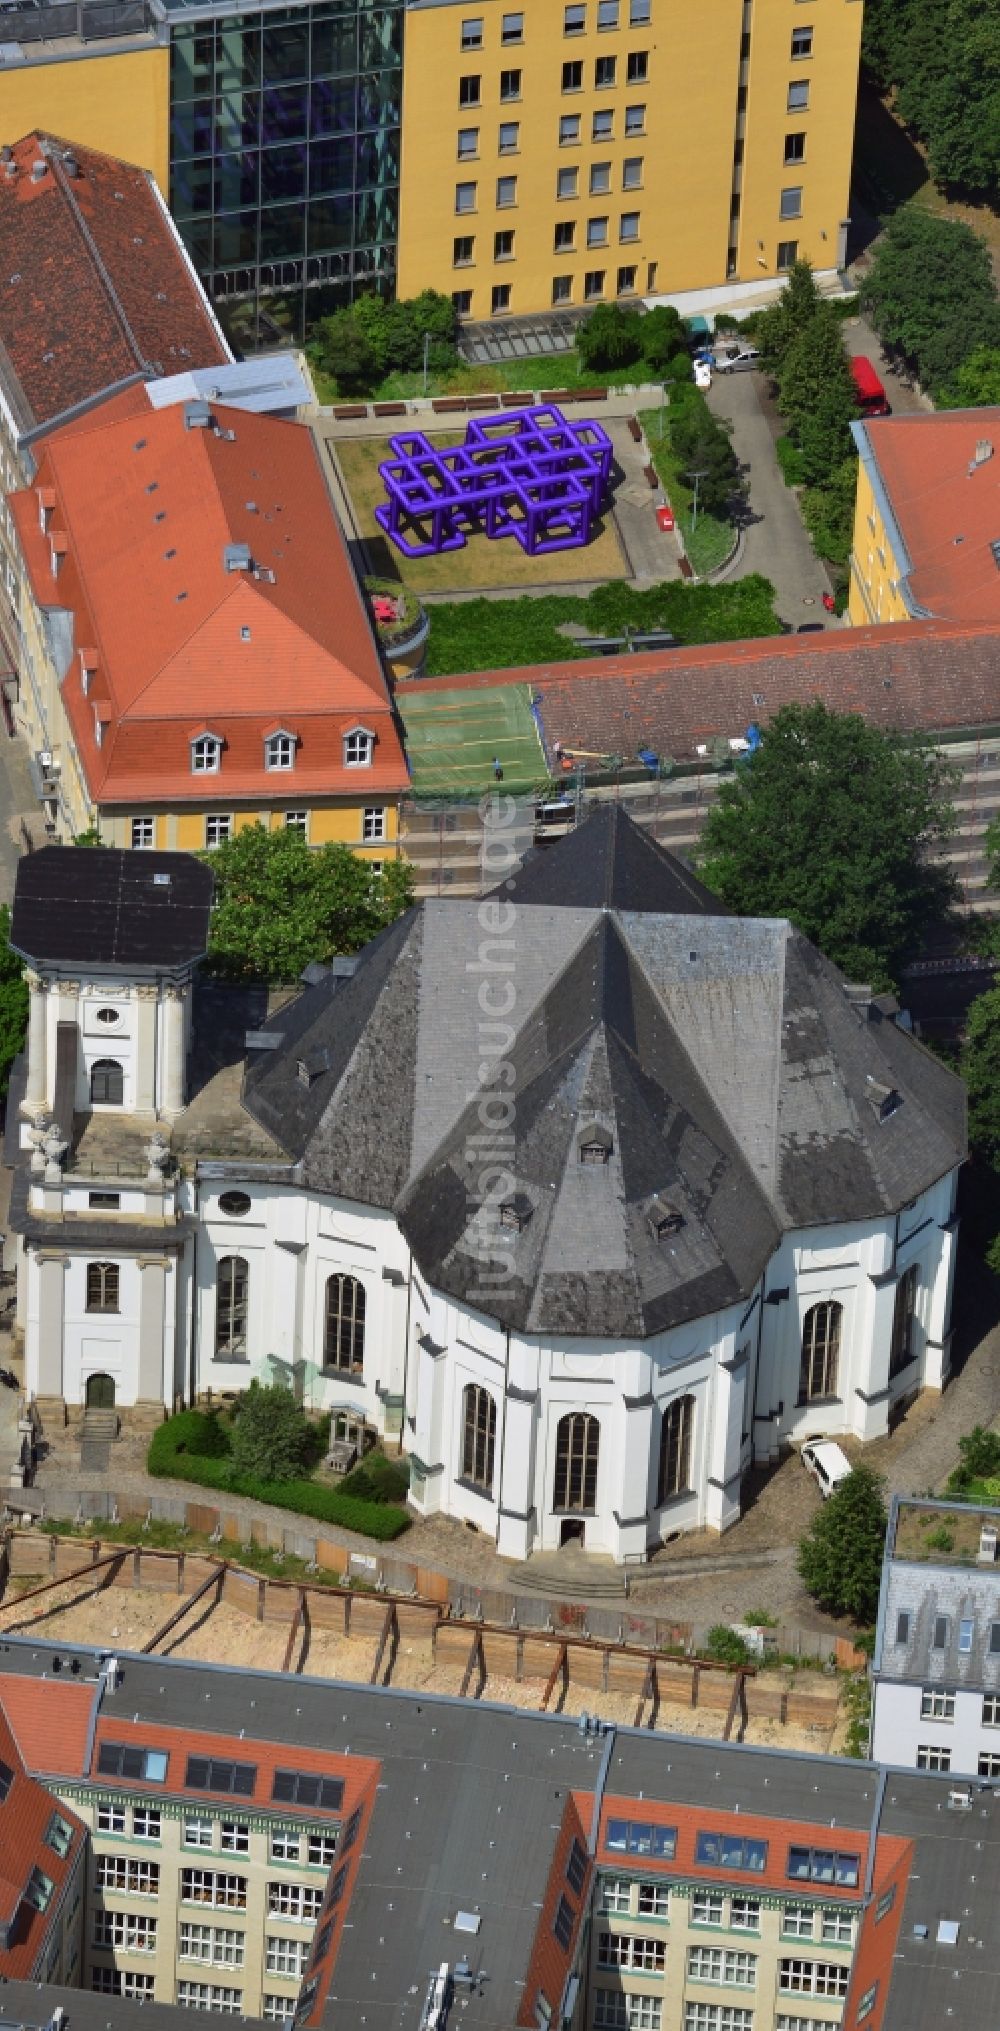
662,336
791,462
196,1433
304,1498
840,1556
724,1646
270,1435
940,1540
609,337
980,1453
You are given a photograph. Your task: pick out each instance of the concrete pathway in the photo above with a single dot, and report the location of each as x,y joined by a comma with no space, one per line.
617,404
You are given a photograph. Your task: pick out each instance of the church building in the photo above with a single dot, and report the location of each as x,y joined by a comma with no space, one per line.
587,1195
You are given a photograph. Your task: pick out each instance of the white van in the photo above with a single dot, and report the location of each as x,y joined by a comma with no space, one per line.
827,1464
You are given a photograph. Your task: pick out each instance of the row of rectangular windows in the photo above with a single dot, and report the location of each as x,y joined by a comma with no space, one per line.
219,827
598,230
931,1756
190,1995
216,1945
727,1967
470,86
595,284
145,1824
279,749
937,1704
298,1902
614,2010
567,180
216,1773
941,1632
733,1851
574,21
714,1907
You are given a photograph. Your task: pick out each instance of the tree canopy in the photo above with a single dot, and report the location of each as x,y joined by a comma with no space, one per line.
280,903
817,395
702,446
981,1072
930,293
13,1002
840,1556
376,337
271,1435
828,823
977,381
781,324
944,58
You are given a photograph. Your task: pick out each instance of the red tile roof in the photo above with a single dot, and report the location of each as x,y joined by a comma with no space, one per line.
50,1720
25,1815
95,284
926,675
946,505
147,508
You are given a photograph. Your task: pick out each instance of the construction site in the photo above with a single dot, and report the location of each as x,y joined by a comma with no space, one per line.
190,1604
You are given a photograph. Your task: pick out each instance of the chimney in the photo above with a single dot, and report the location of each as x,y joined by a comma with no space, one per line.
38,170
197,416
984,450
71,165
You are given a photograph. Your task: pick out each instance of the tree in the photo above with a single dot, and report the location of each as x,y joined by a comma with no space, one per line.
343,349
271,1434
976,384
828,513
780,325
662,335
944,57
930,293
609,337
981,1072
816,394
840,1556
702,446
280,904
829,823
13,1002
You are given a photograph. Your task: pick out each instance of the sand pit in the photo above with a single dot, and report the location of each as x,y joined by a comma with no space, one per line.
83,1610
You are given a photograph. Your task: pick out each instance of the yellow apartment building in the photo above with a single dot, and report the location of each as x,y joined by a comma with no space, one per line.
925,521
114,97
586,150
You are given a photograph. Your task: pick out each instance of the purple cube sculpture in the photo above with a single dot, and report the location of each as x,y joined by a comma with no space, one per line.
526,473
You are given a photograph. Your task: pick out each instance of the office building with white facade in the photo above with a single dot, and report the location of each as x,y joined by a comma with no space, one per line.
587,1195
936,1667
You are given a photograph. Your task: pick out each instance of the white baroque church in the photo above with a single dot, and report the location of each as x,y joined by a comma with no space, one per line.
587,1196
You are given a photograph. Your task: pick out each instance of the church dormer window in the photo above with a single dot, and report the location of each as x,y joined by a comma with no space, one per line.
358,747
596,1145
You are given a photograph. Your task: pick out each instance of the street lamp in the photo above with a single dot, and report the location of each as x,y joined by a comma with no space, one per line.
696,474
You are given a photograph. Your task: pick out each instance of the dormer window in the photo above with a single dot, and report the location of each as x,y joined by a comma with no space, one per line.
663,1218
312,1065
279,751
516,1212
358,748
595,1144
206,755
883,1100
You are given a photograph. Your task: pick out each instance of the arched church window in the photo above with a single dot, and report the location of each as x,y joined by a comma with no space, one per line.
578,1443
676,1432
107,1083
479,1431
231,1295
820,1363
344,1337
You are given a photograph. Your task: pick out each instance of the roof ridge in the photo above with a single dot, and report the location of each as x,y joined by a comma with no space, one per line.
62,183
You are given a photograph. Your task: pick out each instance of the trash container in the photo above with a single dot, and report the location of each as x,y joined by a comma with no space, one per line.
664,518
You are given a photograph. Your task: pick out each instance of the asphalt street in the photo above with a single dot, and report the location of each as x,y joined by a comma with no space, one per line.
775,538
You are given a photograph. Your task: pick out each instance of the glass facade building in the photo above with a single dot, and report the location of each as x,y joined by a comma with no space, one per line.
284,156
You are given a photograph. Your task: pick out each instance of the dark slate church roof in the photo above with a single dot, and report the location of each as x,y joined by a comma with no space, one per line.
90,906
728,1088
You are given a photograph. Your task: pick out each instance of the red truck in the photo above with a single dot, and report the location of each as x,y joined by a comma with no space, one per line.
871,396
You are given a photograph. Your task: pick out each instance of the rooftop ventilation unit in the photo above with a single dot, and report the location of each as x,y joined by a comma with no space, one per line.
983,451
435,2010
71,165
987,1554
197,416
959,1800
236,557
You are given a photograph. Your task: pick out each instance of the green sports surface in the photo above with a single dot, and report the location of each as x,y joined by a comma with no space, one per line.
452,738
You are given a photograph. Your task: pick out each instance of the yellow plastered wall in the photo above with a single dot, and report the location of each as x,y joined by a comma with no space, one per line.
876,573
686,150
118,103
830,72
184,831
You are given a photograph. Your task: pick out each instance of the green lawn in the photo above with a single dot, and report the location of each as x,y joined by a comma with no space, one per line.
500,634
555,370
708,541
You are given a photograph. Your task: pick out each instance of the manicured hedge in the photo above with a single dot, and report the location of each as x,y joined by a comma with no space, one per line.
187,1447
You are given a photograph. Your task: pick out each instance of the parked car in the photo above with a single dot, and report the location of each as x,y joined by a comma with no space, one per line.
733,356
871,396
827,1464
